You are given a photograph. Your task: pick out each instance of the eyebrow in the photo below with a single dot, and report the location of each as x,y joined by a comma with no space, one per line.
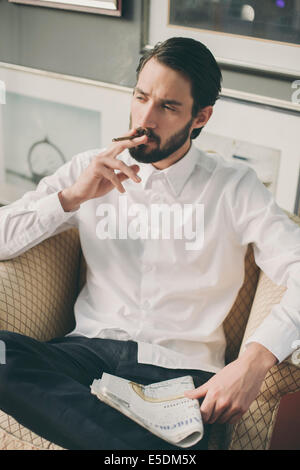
172,102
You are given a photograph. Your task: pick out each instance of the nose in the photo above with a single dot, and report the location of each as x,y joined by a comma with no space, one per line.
147,118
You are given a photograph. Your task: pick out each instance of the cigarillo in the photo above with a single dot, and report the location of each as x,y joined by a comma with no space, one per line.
138,133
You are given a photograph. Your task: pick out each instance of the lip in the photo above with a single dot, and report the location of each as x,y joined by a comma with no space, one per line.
152,143
151,140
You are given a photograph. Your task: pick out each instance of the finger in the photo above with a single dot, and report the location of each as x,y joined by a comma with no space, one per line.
130,171
219,410
135,131
230,416
122,176
235,418
207,408
215,416
197,392
119,147
113,178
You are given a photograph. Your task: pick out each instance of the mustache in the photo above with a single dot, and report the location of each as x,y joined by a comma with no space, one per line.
152,136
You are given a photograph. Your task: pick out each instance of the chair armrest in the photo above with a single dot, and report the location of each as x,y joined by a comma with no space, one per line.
254,430
38,288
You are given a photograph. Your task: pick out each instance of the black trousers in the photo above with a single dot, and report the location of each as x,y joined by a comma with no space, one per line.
45,386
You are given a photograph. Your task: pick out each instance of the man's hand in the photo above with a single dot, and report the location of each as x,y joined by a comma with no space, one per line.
229,393
99,177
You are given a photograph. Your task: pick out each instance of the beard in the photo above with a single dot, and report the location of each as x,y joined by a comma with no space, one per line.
142,154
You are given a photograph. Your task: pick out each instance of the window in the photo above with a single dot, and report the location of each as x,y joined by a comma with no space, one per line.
240,33
278,20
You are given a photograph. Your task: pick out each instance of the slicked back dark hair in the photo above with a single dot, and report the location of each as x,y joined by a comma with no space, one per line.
195,61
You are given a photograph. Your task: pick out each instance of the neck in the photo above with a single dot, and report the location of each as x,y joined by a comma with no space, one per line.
175,157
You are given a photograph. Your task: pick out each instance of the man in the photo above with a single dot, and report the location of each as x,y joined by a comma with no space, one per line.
152,307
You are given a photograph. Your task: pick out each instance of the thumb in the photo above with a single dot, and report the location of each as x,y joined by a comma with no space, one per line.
197,392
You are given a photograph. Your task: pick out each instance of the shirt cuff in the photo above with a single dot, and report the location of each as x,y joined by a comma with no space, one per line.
279,339
51,212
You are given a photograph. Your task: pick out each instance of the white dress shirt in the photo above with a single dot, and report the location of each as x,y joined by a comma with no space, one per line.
169,298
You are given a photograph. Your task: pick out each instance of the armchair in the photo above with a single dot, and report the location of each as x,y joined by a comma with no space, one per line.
38,290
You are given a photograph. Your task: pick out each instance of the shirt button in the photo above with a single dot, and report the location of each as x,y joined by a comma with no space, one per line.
146,305
157,198
146,268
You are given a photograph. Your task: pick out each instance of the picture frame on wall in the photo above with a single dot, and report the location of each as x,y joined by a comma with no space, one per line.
229,51
271,20
48,118
259,136
100,7
272,129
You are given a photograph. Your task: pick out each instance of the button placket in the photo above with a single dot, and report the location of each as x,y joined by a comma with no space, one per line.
146,268
147,287
146,305
156,199
158,189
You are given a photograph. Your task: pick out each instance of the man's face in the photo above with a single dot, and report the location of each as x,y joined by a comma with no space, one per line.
162,103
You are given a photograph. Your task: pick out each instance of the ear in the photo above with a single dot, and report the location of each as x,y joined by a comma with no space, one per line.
202,117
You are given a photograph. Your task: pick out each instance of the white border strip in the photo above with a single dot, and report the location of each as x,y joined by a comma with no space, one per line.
261,100
70,78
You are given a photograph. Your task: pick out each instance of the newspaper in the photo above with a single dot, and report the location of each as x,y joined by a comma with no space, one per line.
160,407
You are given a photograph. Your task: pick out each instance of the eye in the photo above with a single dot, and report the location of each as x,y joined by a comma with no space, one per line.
165,106
140,97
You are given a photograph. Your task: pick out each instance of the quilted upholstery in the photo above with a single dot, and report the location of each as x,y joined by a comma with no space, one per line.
236,321
36,287
13,436
254,431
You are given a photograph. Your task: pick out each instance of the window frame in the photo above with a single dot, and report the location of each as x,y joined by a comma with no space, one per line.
264,56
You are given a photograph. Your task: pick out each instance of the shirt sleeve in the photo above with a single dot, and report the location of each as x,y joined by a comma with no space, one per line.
39,215
276,244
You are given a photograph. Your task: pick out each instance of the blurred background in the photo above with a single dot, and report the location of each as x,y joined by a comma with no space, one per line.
67,72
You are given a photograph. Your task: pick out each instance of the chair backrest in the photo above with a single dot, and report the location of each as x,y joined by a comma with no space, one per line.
236,320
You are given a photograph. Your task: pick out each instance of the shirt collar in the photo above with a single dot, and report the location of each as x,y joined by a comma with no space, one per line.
177,174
